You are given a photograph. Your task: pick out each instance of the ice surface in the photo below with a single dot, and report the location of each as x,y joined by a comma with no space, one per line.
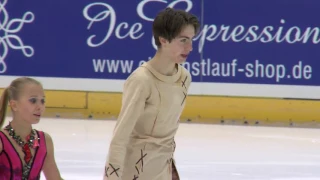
204,152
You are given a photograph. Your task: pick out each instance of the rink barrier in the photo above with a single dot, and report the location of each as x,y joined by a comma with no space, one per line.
198,109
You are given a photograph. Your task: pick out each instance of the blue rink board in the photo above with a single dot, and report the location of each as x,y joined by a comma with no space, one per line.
258,42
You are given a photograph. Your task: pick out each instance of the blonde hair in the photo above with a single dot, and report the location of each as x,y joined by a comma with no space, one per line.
12,93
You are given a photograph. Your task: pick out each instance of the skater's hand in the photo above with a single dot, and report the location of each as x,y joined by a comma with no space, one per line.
175,176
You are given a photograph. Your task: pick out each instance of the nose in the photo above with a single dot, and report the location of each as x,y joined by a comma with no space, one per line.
40,107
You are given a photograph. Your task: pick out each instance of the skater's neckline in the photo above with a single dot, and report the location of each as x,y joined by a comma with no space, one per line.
165,78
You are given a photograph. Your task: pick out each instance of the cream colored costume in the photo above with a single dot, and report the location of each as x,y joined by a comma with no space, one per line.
143,144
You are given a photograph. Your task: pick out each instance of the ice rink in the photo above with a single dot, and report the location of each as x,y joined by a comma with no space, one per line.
204,152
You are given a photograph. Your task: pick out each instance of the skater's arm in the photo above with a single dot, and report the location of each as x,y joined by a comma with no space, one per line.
135,94
1,146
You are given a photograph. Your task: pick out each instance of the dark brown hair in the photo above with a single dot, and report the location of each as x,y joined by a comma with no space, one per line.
12,93
170,22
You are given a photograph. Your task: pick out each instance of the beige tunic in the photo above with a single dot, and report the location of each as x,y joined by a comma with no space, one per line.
143,144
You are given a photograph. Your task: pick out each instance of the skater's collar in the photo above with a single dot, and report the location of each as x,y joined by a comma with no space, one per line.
169,79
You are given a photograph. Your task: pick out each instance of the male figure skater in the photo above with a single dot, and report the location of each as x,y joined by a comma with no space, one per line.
154,96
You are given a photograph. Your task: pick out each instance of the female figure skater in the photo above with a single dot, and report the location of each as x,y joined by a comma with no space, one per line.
25,152
154,95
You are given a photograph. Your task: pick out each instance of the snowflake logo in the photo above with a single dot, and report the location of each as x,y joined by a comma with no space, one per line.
7,37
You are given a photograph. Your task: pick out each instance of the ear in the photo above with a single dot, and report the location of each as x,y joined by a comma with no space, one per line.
13,104
163,41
